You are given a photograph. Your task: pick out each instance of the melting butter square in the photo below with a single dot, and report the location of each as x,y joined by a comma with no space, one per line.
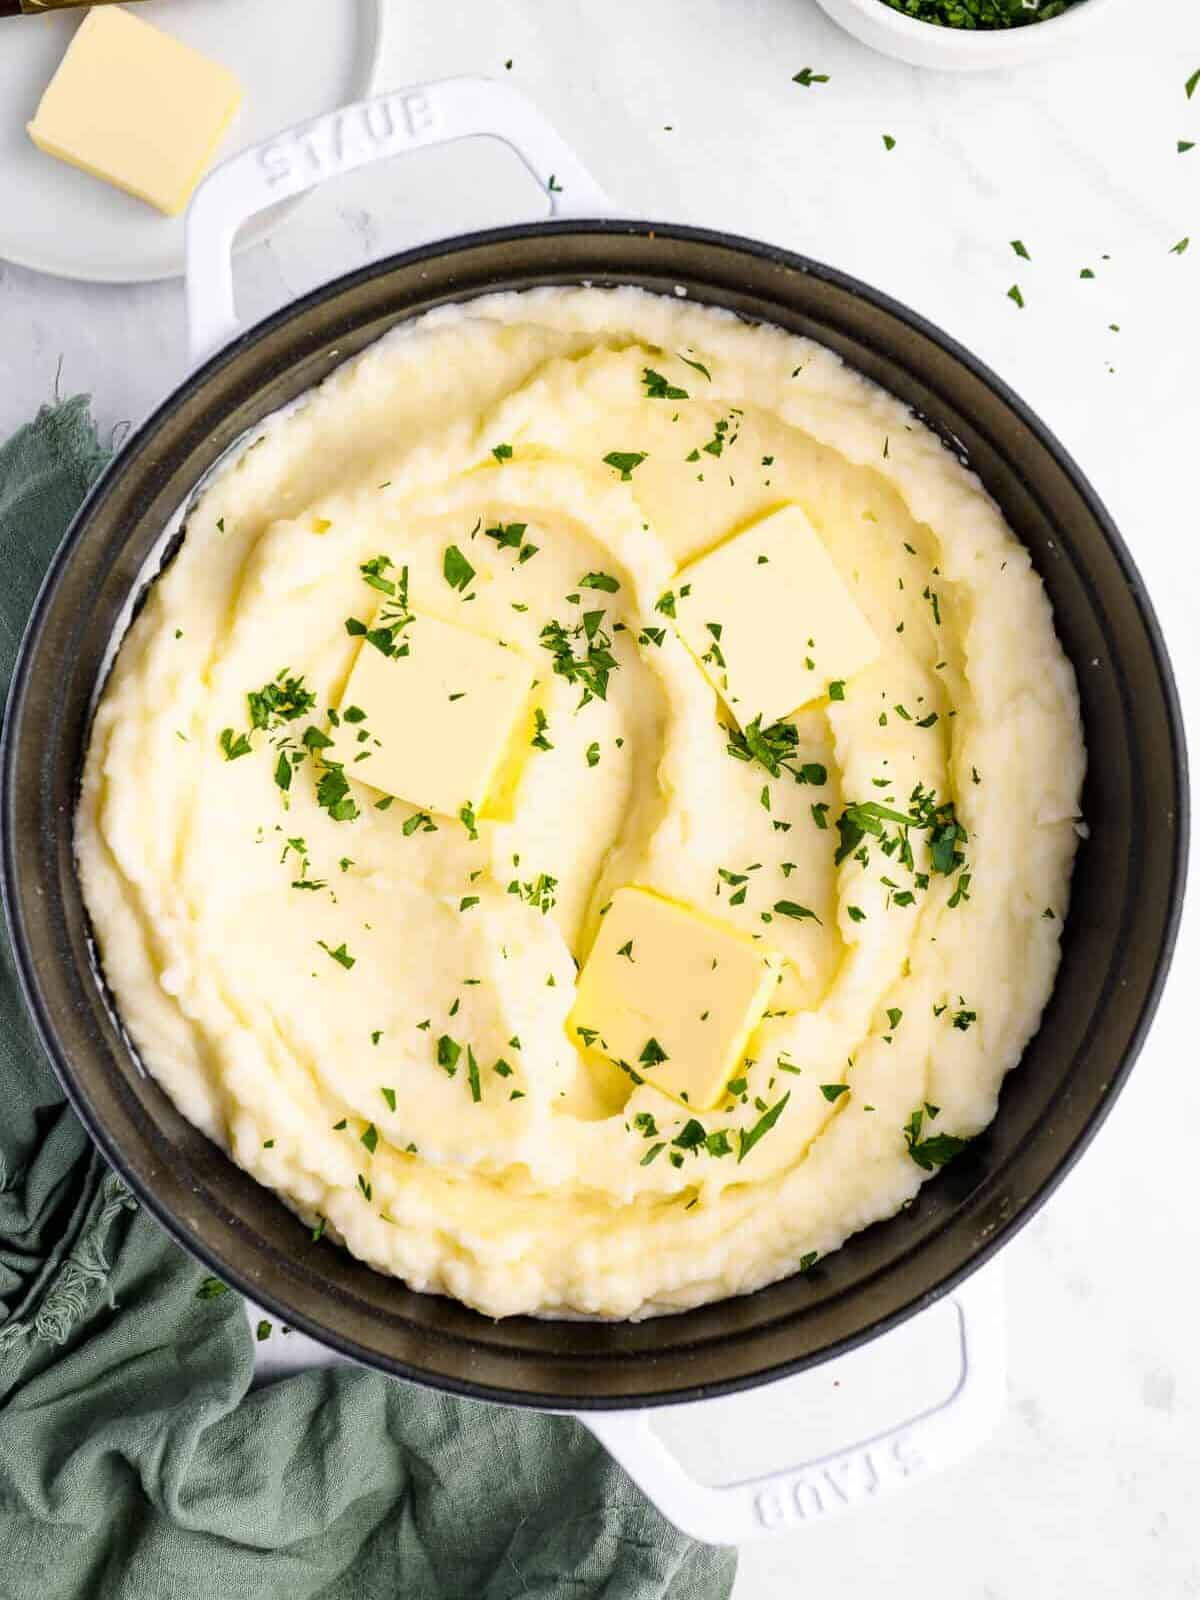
136,107
770,620
673,994
438,720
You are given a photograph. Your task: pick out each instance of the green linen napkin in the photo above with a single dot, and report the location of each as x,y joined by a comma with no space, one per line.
135,1461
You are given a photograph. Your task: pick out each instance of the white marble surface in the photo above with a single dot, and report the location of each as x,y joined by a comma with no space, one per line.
1088,1487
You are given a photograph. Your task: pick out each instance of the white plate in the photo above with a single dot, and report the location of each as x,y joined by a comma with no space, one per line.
295,59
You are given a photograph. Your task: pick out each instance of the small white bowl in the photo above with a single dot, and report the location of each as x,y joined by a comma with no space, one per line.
928,44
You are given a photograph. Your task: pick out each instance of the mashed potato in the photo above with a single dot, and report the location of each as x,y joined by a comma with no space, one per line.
366,1005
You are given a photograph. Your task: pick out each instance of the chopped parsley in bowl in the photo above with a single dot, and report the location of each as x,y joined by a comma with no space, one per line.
981,14
971,35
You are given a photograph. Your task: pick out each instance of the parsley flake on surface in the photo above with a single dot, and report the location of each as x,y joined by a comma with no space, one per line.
934,1152
389,1096
658,388
1017,298
582,654
625,462
1020,250
789,908
748,1138
834,1091
341,955
806,77
456,569
652,1054
599,580
211,1289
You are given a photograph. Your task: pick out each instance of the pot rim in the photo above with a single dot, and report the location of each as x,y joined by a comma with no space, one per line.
181,1231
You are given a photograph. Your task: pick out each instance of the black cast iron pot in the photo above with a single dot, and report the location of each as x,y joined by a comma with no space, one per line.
1124,907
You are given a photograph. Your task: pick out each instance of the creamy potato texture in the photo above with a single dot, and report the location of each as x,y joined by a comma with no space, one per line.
367,1005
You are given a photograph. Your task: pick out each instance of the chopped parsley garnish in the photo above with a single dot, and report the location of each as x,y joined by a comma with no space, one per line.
448,1052
282,700
539,892
473,1076
599,580
691,1136
594,663
888,142
370,1137
1180,248
318,1229
652,1054
456,569
374,573
389,1096
263,1330
419,820
593,754
468,819
774,748
234,746
658,388
834,1091
806,77
748,1138
654,1150
962,1020
467,901
541,724
511,536
211,1289
1020,250
1015,295
894,1015
837,689
502,452
333,794
626,950
789,908
341,955
625,462
697,366
934,1152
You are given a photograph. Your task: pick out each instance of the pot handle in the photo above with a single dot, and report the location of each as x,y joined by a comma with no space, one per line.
872,1469
355,136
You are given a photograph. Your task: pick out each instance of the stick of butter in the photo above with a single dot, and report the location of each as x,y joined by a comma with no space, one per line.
672,994
135,107
432,725
770,620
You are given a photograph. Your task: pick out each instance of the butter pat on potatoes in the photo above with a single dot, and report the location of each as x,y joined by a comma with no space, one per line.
770,620
431,724
137,108
673,995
